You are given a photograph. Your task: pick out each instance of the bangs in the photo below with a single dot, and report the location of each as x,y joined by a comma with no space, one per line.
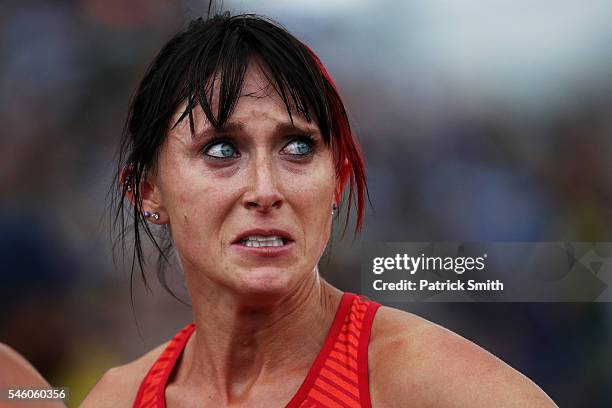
219,63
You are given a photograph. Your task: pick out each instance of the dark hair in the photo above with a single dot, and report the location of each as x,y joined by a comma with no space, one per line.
220,49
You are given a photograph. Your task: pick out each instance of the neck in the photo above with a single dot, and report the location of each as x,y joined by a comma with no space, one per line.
239,345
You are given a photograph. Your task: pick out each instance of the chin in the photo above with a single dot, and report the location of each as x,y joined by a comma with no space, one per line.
265,283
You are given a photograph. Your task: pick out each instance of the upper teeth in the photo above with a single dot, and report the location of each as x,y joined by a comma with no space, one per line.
259,240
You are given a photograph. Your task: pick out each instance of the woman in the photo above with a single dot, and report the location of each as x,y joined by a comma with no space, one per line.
238,146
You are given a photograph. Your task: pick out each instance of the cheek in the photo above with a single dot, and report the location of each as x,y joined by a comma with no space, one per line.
197,208
311,196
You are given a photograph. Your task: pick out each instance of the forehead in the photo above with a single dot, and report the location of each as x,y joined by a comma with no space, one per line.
258,101
256,84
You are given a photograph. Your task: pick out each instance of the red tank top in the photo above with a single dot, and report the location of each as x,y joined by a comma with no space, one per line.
338,378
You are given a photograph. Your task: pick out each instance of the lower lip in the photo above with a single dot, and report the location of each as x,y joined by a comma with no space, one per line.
266,251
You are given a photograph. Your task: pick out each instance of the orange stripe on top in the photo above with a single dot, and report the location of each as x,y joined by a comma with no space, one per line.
338,378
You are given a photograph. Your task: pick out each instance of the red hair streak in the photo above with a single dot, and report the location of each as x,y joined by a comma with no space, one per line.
347,153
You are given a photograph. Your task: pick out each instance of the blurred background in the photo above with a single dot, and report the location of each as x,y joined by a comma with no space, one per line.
480,121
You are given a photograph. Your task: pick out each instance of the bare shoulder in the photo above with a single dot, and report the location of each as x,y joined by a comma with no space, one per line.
16,370
414,362
119,385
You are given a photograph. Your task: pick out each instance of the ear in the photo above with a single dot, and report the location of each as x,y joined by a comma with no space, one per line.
149,193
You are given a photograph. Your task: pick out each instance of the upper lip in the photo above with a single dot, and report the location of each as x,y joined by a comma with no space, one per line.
264,232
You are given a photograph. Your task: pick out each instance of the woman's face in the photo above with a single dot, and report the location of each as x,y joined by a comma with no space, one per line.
249,207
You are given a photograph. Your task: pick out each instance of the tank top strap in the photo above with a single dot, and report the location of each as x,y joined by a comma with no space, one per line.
339,376
151,393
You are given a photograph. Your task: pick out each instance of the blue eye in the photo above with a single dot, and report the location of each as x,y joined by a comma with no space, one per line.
221,150
298,148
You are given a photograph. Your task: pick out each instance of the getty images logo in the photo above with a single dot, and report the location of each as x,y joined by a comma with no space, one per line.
413,264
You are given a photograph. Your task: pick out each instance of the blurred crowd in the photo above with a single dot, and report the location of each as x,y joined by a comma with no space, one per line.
477,124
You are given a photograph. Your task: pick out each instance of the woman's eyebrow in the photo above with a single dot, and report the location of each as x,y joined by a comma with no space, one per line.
287,127
229,127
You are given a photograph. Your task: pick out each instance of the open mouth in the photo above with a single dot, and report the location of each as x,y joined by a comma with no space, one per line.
256,241
266,242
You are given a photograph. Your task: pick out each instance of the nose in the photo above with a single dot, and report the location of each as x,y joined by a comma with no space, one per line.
263,192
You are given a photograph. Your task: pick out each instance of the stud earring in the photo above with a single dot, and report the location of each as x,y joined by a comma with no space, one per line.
128,183
334,208
149,214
